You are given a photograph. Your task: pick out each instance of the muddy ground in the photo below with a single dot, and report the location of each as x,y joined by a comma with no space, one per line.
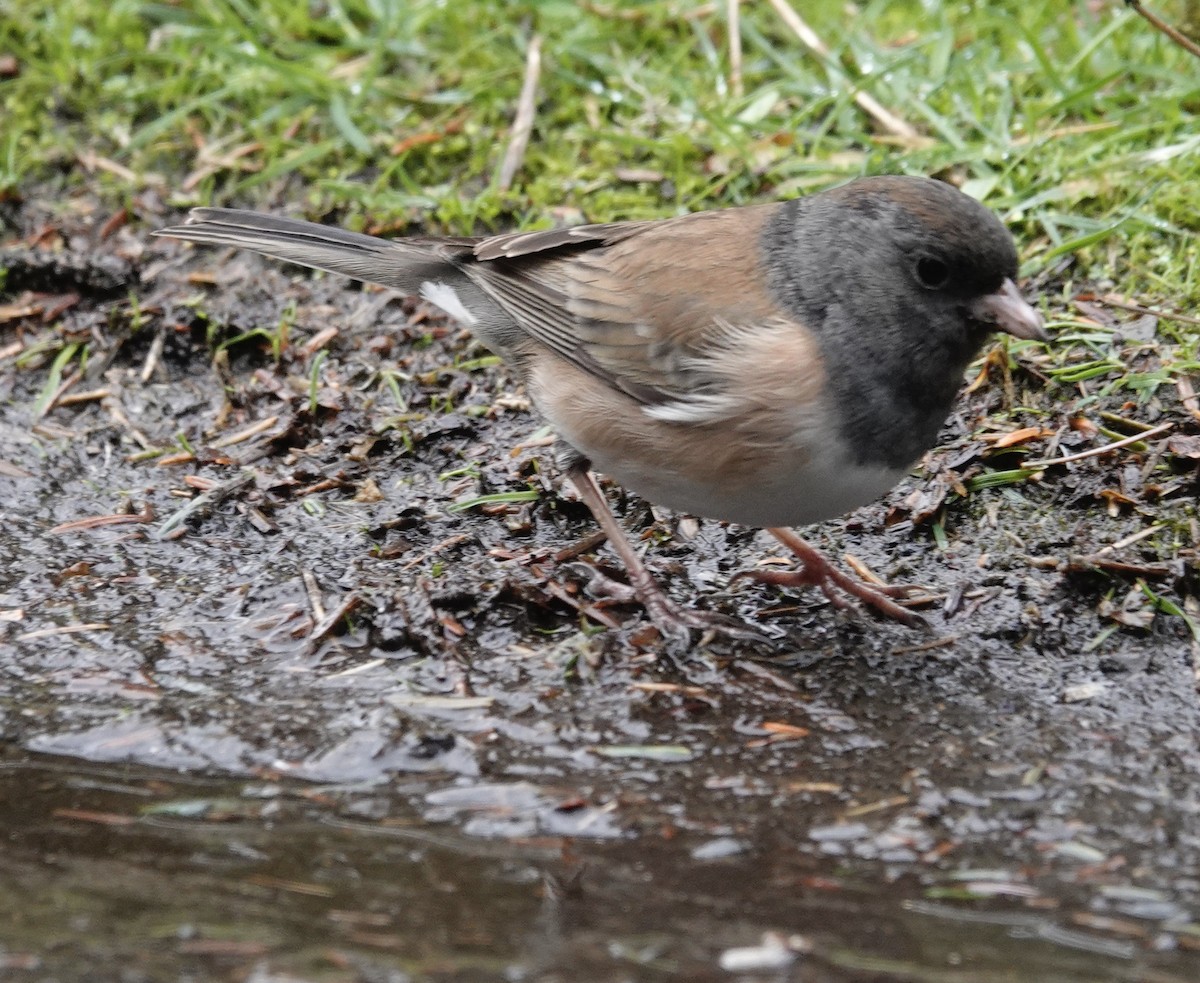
280,712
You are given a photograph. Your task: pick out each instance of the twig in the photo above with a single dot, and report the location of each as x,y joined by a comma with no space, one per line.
584,607
1159,24
320,339
936,643
117,412
890,122
1085,564
152,357
251,431
98,521
523,122
585,545
735,48
202,503
618,13
1110,300
1192,610
1187,396
1123,421
1076,129
10,470
58,394
1096,451
92,394
1129,540
313,590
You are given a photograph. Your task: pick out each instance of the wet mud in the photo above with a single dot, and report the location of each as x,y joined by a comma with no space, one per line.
306,672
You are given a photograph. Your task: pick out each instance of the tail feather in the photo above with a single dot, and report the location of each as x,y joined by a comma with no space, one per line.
400,264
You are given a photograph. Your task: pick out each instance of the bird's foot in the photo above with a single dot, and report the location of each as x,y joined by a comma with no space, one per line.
817,571
675,621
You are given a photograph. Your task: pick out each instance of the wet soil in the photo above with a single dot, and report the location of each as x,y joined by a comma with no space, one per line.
280,711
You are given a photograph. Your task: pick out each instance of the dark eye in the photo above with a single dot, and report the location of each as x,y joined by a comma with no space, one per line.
932,273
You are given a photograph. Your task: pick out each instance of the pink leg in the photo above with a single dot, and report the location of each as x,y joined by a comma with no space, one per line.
819,572
664,612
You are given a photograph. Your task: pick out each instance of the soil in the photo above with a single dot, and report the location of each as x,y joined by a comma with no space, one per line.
278,711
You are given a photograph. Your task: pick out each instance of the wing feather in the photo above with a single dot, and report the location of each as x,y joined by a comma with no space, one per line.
637,304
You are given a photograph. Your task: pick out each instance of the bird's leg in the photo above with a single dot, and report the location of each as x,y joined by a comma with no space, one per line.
819,572
669,616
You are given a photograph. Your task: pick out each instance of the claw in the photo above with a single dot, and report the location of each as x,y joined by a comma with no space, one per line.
816,571
673,620
676,622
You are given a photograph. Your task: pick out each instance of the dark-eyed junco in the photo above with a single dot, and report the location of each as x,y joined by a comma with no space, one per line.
773,365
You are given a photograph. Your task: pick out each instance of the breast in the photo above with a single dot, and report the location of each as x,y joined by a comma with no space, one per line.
793,487
735,469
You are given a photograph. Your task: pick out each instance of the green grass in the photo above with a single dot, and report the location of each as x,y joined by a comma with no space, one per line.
1075,121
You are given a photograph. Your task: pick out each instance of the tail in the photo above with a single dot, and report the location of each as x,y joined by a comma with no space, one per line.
400,264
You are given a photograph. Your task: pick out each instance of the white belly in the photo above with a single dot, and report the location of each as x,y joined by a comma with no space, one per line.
820,485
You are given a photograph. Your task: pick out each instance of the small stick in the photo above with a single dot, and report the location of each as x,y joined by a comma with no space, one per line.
523,121
92,394
1187,396
152,357
251,431
585,545
202,503
1110,300
892,123
1159,24
98,521
1095,451
73,378
116,411
735,48
10,470
313,590
1192,610
931,645
320,339
1136,537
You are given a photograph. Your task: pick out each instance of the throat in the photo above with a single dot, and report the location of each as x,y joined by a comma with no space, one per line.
891,411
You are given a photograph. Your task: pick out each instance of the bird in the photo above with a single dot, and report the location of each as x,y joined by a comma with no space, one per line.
771,365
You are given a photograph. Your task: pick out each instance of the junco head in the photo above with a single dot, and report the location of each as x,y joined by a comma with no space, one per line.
774,365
